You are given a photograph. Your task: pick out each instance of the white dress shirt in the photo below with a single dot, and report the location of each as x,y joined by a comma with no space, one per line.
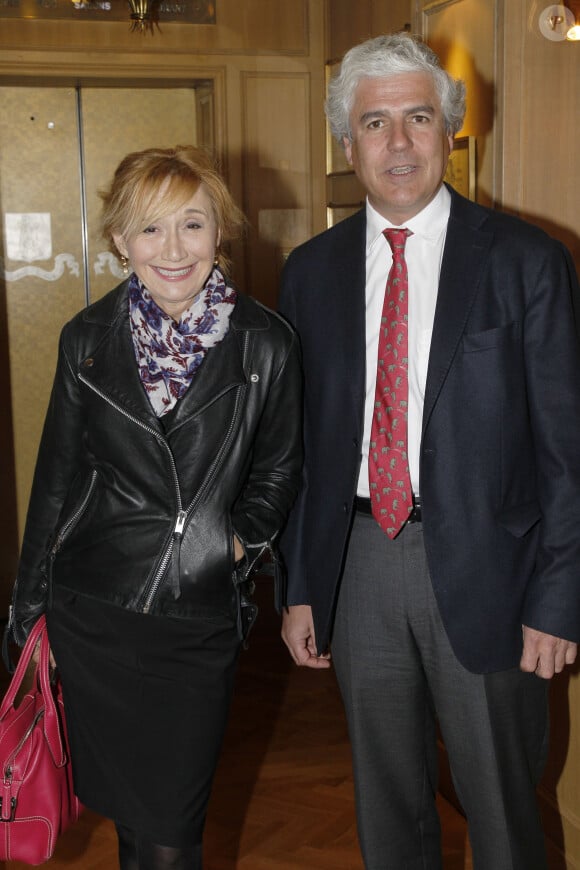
423,254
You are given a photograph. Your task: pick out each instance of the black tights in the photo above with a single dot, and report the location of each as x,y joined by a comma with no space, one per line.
138,853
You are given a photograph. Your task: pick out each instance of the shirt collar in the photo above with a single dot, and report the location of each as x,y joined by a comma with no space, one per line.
428,223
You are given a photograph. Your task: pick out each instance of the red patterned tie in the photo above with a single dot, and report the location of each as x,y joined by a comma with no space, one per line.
389,478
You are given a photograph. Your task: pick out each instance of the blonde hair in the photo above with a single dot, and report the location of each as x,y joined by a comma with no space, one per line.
150,184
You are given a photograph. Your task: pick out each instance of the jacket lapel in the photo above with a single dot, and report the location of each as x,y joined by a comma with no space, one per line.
112,371
464,259
223,368
347,310
221,371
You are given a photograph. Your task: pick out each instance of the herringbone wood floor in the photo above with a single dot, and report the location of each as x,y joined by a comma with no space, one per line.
283,796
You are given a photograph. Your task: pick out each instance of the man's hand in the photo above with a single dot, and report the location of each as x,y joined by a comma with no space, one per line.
546,655
298,635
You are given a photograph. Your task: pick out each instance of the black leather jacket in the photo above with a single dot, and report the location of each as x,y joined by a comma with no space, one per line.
141,512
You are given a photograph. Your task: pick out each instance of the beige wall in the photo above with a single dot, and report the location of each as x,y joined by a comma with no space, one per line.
540,106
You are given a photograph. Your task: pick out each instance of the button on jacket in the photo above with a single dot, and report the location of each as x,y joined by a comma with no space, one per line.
140,511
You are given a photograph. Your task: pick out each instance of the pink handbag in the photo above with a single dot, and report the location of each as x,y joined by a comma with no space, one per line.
37,802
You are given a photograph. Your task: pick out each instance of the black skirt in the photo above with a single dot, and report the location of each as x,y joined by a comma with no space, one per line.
146,700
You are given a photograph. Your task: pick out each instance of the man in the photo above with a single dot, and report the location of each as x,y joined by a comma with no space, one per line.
436,539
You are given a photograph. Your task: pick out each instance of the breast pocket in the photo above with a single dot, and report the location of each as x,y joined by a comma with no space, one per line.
475,342
519,519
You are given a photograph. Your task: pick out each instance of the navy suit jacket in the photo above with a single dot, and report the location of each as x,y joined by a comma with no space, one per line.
500,449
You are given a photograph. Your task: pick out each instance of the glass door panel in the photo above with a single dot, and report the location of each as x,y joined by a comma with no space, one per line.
117,121
42,251
58,147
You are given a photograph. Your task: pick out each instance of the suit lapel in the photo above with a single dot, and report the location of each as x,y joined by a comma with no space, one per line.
348,302
464,259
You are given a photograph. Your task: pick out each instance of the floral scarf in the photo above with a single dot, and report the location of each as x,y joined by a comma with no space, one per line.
168,353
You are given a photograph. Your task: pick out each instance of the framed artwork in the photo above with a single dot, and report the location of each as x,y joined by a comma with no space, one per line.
336,162
337,213
185,12
461,169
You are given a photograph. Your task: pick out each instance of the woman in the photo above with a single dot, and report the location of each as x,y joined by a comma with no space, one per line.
169,460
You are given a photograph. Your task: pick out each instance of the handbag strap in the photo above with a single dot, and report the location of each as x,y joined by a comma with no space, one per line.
51,723
23,662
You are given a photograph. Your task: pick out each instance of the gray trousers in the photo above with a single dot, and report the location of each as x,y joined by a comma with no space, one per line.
398,676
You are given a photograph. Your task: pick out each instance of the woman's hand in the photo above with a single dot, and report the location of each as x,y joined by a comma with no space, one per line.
36,656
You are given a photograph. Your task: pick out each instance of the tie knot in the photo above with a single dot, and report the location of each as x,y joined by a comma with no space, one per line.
396,239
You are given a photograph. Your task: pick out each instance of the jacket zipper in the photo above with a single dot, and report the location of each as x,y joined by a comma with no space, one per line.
73,520
178,529
182,515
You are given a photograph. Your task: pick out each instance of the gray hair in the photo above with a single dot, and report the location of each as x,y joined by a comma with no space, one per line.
388,56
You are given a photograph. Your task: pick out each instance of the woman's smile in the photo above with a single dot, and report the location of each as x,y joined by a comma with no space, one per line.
174,274
174,255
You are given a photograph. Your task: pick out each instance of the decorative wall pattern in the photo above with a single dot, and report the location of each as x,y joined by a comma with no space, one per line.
276,161
61,263
107,264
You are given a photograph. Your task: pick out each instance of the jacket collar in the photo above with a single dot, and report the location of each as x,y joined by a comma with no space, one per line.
112,371
248,314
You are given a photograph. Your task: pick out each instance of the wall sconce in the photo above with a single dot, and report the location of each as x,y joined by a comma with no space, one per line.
558,23
144,15
573,34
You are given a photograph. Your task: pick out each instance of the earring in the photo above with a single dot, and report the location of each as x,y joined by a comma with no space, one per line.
216,261
125,265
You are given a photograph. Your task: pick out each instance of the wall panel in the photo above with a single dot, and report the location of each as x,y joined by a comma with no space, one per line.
253,27
350,23
541,108
276,172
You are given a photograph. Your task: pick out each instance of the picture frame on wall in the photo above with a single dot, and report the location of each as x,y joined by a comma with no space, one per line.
461,169
336,162
336,213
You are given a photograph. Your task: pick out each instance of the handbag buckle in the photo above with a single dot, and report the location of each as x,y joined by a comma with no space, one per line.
9,818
